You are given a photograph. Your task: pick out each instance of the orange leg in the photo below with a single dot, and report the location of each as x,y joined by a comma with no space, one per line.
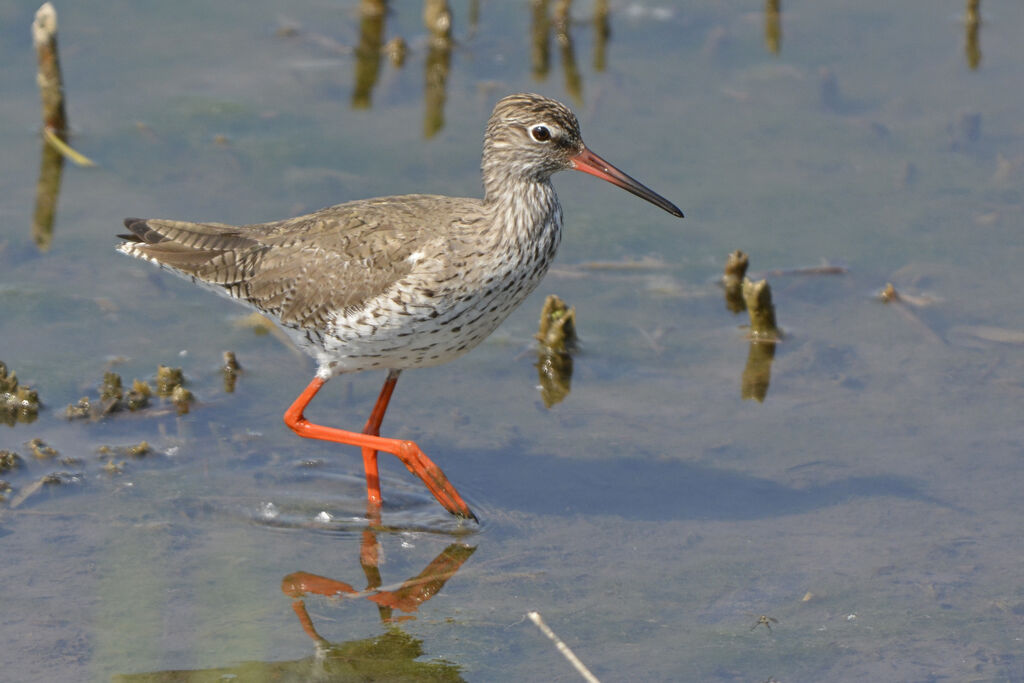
370,441
373,428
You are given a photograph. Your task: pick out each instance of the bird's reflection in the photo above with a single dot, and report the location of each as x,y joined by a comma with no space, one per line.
392,655
405,597
394,652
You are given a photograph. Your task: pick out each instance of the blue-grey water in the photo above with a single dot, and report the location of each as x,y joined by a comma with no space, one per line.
870,503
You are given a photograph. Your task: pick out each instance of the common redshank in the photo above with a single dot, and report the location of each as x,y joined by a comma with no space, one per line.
398,282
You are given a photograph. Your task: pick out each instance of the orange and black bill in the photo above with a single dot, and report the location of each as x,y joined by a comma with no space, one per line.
588,162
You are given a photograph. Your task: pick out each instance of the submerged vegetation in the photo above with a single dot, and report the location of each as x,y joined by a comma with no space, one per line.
113,398
18,402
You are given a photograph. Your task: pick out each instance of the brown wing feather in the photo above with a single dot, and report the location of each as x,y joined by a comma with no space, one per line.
301,269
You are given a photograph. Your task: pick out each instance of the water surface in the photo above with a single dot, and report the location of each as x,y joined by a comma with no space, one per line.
869,503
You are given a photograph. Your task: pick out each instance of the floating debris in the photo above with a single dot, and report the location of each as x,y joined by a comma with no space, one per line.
113,397
181,397
741,294
110,454
112,468
758,298
138,397
564,649
230,370
168,379
135,451
111,388
396,50
287,31
66,150
18,402
40,450
557,337
23,405
52,479
8,382
557,329
80,410
904,304
736,265
889,293
111,393
9,460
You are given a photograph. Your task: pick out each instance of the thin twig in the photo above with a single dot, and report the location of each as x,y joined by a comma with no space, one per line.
65,149
563,648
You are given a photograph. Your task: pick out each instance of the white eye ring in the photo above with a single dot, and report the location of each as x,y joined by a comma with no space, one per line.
541,133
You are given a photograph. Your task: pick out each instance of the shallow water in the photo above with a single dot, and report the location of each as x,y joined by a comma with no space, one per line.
870,503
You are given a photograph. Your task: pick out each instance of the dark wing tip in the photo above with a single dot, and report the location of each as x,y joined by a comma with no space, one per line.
141,231
137,226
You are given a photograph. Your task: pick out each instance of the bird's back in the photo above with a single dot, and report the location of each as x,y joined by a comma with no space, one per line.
299,269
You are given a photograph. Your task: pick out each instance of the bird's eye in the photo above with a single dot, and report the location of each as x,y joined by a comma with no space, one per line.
540,133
